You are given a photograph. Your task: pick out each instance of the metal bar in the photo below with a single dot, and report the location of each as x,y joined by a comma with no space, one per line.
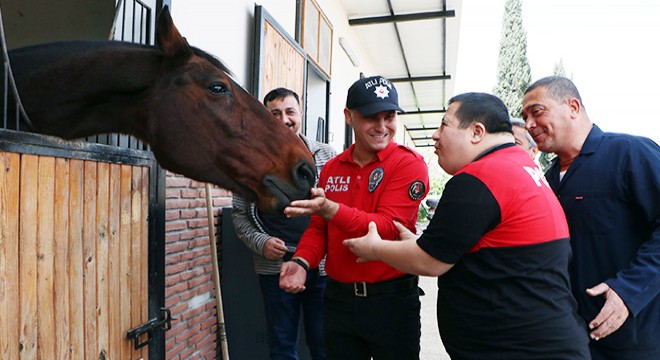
421,78
421,112
405,17
424,128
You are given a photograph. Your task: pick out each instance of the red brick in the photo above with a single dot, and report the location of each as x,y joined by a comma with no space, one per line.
176,247
187,295
210,287
172,300
178,181
175,225
172,193
208,346
175,268
198,337
188,213
177,312
191,194
187,352
172,280
179,204
172,215
172,237
171,347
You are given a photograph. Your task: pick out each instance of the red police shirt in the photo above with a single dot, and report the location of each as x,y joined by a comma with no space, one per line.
390,187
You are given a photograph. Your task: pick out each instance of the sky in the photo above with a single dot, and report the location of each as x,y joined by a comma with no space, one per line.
610,49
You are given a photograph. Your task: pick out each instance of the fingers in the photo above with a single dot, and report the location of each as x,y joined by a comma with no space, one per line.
400,227
598,289
274,249
317,192
613,314
404,233
373,229
292,277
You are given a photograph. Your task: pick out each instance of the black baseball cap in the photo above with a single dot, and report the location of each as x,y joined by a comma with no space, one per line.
372,95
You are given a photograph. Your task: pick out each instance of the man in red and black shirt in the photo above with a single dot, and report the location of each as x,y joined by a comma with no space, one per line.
498,241
371,309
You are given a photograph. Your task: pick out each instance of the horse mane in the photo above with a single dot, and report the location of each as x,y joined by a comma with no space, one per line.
60,49
213,60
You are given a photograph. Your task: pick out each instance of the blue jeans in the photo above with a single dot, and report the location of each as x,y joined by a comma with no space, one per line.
283,316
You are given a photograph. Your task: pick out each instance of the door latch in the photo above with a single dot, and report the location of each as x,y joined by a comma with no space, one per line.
147,328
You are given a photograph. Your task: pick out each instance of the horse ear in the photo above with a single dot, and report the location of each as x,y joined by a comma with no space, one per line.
168,38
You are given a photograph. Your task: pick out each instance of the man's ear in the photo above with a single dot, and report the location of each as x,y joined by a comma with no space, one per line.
575,105
347,116
535,150
478,132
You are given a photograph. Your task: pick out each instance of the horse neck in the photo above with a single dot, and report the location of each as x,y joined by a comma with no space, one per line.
85,88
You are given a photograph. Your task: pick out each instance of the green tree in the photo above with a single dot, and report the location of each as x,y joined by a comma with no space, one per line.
513,71
437,177
559,69
437,180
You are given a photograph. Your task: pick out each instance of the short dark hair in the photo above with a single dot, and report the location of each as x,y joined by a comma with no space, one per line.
558,87
482,108
280,93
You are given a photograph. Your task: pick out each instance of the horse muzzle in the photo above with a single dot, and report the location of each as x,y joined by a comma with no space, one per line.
284,192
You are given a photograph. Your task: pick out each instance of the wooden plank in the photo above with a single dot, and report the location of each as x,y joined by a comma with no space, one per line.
144,253
102,291
61,257
283,65
9,285
89,259
115,332
136,239
45,260
124,259
75,259
28,256
136,209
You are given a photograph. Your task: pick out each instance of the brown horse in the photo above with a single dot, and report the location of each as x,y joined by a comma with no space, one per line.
178,99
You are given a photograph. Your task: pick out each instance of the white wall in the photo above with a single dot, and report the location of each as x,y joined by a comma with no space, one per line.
226,30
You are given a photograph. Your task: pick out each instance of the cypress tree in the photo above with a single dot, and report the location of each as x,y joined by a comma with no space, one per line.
513,71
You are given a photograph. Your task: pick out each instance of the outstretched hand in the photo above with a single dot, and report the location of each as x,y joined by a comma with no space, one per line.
292,277
318,204
613,314
364,247
404,233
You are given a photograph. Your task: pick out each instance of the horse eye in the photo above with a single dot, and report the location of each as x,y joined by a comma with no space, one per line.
218,89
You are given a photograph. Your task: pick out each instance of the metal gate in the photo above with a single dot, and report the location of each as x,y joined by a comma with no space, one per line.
81,243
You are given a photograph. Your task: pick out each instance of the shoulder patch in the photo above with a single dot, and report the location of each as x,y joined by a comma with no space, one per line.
375,178
416,190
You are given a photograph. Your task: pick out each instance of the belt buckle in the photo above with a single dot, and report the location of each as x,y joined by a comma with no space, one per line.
360,289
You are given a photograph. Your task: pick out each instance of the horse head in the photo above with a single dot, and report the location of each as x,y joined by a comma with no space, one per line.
198,121
204,125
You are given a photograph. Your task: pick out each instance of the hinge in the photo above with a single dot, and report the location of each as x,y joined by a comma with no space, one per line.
135,333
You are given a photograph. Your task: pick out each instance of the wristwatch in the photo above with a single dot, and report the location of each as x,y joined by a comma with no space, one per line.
301,263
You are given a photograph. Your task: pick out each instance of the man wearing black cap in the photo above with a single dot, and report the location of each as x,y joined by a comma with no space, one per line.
371,309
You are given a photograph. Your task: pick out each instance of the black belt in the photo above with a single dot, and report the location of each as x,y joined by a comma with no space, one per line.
364,289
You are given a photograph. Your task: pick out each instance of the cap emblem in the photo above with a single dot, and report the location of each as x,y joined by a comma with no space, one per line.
381,92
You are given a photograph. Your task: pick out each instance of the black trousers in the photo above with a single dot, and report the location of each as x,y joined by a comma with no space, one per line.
383,325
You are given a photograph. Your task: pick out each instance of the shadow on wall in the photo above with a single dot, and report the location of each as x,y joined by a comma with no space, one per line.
29,22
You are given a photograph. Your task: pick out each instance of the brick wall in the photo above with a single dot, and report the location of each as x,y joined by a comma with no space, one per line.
189,286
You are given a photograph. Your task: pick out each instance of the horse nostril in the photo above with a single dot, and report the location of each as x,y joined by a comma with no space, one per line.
305,174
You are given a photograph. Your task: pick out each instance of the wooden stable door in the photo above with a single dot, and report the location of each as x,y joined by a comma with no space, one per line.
73,257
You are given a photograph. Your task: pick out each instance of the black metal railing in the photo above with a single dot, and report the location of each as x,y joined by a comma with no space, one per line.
132,23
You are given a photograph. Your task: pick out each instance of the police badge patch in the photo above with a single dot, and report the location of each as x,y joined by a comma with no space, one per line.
374,178
416,190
